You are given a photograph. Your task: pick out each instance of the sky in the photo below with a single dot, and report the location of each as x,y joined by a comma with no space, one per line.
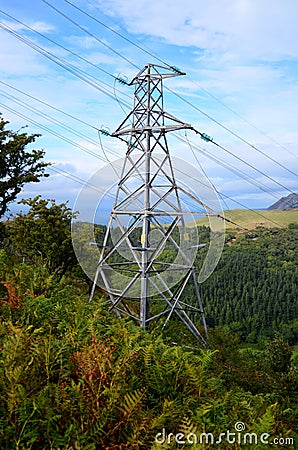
241,87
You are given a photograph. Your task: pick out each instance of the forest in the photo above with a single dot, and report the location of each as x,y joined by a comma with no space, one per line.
254,287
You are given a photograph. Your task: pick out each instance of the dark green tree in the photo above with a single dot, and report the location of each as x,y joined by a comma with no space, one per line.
18,166
43,235
278,355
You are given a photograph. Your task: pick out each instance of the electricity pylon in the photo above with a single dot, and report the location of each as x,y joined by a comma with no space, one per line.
146,260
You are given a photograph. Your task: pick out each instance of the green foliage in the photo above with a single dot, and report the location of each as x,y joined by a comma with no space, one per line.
17,165
293,226
254,287
278,355
42,236
73,376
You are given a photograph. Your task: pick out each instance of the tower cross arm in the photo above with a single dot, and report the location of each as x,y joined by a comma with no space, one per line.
127,126
153,129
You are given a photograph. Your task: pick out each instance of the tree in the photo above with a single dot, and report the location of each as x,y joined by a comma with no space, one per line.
43,235
17,165
278,355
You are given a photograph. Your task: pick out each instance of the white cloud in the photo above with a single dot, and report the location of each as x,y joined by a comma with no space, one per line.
18,59
42,27
251,27
39,26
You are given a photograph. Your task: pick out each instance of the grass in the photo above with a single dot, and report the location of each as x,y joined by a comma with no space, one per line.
252,219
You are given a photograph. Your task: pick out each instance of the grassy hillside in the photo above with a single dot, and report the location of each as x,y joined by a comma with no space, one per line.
251,219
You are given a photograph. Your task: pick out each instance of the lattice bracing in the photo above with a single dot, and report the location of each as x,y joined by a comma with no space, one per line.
148,253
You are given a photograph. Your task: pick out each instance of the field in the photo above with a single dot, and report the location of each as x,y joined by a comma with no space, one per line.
252,219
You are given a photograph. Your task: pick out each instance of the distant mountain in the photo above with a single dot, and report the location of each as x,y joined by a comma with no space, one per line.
289,202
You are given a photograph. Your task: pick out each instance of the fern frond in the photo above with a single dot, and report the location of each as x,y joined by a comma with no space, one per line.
148,355
169,411
131,401
187,427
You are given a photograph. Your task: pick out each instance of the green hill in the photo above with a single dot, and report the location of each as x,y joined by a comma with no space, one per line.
252,219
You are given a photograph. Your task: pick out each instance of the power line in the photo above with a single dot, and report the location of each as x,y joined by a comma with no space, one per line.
80,147
59,45
230,131
107,158
92,141
149,53
58,170
72,69
248,122
202,169
89,33
48,130
222,195
217,160
240,159
179,96
53,120
233,154
234,170
252,167
60,123
49,106
200,87
73,177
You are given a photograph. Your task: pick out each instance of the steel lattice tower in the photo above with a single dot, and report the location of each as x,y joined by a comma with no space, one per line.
147,220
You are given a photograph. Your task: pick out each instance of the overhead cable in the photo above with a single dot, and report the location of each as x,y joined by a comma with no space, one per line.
70,68
80,147
200,87
89,33
73,131
173,92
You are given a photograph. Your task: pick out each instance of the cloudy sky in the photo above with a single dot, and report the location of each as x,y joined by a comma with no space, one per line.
241,61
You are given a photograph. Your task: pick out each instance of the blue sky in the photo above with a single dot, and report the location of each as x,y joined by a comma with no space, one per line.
241,60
